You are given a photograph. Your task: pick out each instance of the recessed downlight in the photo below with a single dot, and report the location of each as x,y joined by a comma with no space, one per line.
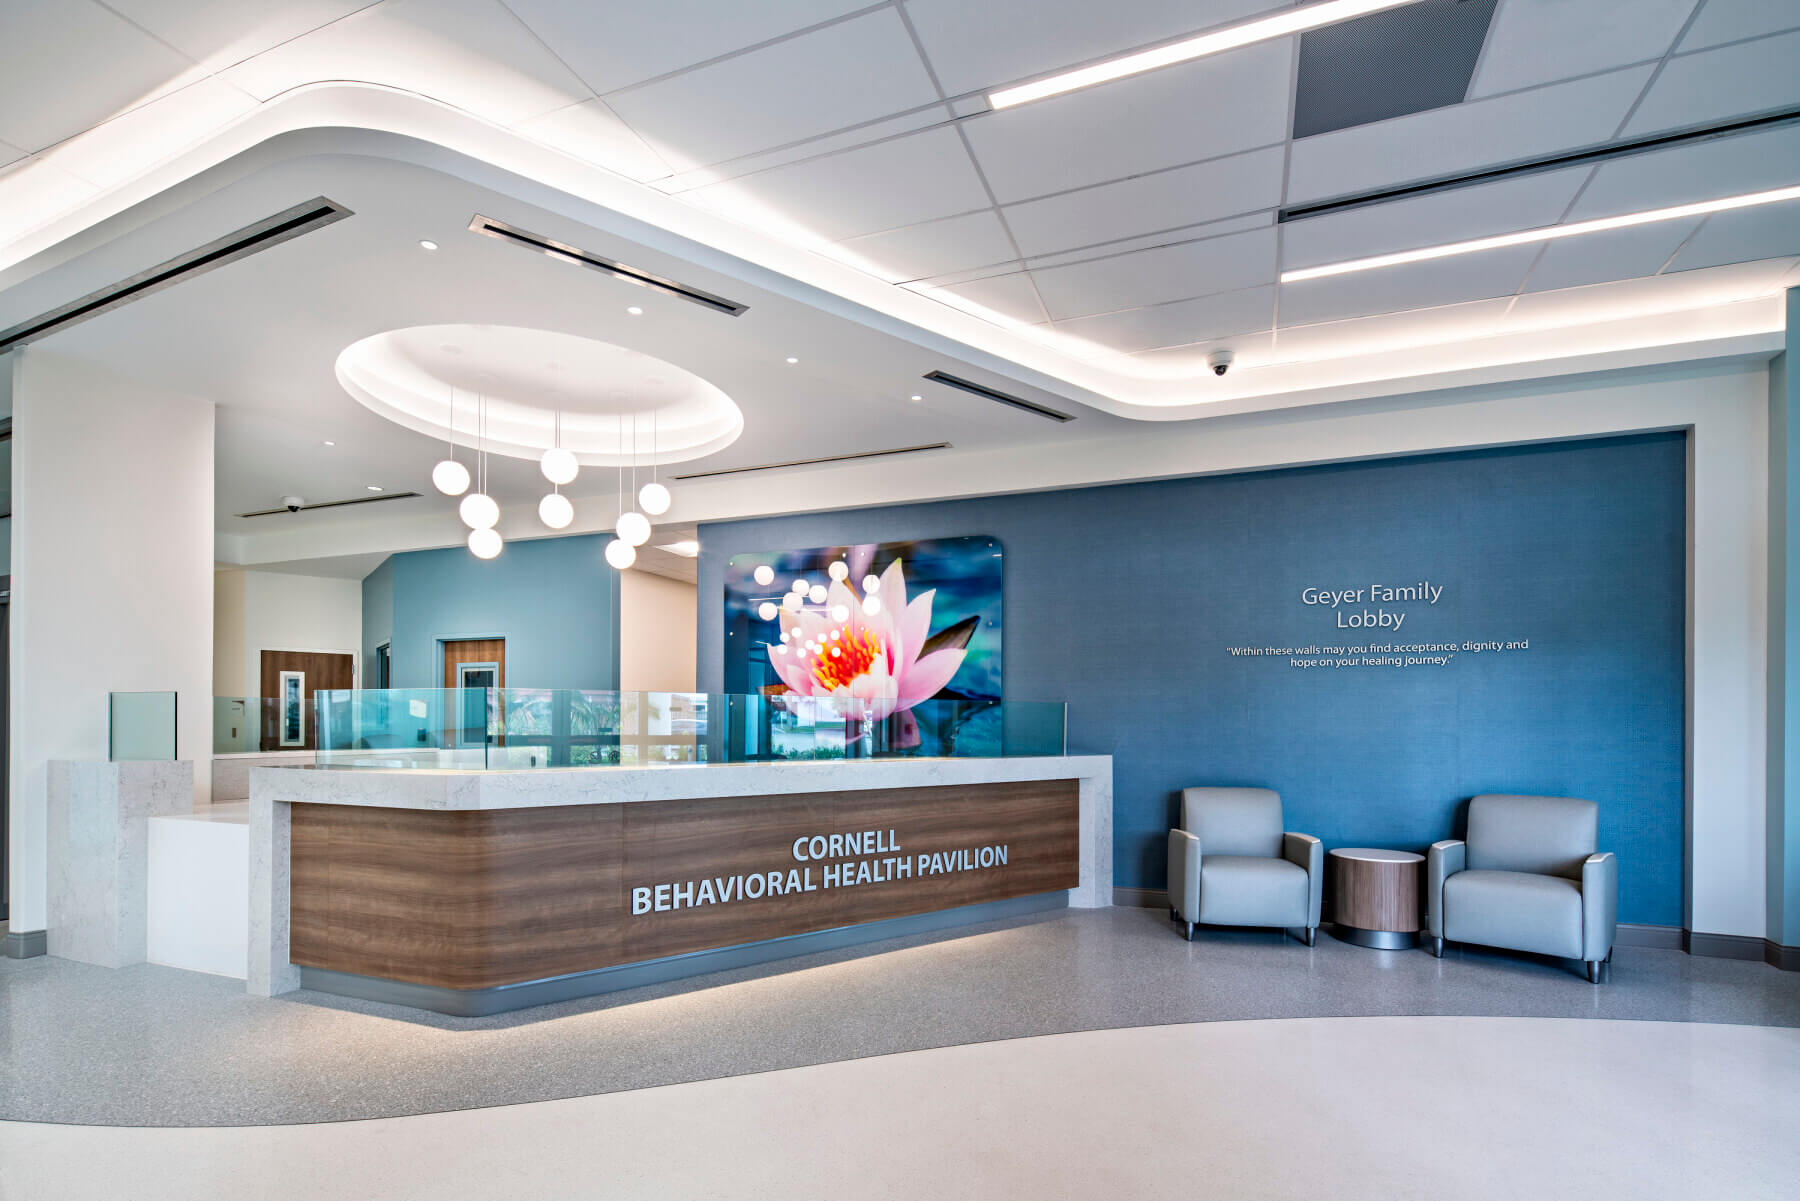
1545,233
329,442
1298,20
634,310
375,487
915,398
792,360
427,244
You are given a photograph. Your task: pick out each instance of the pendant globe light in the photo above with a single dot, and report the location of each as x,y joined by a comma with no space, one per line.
478,510
633,528
450,477
621,554
485,543
555,511
559,464
653,498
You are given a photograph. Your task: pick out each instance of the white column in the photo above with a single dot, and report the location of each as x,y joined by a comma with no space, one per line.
112,568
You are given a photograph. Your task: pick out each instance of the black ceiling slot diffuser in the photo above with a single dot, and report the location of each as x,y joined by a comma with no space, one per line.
599,262
860,454
997,396
283,510
270,231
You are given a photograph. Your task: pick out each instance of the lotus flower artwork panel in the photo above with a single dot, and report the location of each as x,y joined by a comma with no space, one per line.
878,648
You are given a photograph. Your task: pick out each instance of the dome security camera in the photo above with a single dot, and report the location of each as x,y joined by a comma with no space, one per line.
292,504
1219,361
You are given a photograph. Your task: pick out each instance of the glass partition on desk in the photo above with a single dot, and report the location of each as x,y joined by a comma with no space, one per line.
524,728
142,725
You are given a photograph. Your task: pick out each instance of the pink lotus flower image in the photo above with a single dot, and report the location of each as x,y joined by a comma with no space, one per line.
871,663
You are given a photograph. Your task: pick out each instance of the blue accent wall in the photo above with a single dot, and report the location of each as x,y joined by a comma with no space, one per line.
1123,600
554,600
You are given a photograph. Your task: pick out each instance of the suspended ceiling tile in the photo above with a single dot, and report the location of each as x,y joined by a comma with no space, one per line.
220,33
593,133
130,144
1540,41
1200,110
1732,20
1604,257
1627,298
981,46
831,78
472,54
1369,335
1164,200
1463,137
1011,296
1483,276
937,247
66,65
1388,64
904,181
614,45
1749,162
1189,233
848,139
1167,273
1713,85
33,191
1450,216
1742,237
1203,319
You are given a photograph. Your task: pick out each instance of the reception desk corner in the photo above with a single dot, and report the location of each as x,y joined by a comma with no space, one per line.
476,892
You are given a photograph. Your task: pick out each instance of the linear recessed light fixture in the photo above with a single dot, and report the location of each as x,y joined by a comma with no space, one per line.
1297,20
599,262
1545,233
844,458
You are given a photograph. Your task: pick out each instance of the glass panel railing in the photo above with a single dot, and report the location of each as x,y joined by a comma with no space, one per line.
238,723
514,728
142,725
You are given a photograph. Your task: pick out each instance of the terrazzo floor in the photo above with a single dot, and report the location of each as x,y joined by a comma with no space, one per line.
1477,1109
157,1046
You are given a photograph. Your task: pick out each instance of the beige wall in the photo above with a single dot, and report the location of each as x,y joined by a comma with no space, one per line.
656,633
255,611
228,633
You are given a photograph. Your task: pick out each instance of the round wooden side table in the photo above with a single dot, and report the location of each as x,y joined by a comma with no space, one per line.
1375,896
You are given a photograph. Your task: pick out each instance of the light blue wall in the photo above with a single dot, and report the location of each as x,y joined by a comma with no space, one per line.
1122,601
1783,830
554,600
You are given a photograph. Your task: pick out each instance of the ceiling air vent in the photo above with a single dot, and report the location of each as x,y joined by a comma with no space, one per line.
289,223
587,258
861,454
998,397
283,510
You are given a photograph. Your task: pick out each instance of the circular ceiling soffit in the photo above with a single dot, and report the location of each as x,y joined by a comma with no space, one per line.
412,376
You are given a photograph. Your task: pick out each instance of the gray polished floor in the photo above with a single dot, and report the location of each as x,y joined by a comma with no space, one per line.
161,1047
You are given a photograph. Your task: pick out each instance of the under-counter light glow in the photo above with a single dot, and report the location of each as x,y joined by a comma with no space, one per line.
1297,20
1544,233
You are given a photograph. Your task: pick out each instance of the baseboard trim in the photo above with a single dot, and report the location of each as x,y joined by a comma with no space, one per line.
1663,938
1630,934
26,944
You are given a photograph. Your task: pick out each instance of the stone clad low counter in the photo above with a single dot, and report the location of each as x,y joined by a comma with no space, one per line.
473,892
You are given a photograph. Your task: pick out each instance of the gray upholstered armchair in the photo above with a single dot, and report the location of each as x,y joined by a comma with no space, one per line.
1231,864
1527,879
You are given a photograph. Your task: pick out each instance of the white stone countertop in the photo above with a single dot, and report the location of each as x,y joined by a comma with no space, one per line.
473,789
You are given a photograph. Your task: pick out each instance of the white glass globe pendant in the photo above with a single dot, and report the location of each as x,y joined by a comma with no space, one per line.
559,465
478,511
620,554
485,543
633,528
555,511
765,575
654,499
450,477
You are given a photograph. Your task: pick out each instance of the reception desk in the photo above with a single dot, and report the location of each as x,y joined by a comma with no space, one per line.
472,892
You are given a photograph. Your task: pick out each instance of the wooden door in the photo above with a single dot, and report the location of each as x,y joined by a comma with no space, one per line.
287,703
472,667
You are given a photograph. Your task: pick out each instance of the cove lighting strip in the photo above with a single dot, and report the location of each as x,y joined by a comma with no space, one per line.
1297,20
1546,233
